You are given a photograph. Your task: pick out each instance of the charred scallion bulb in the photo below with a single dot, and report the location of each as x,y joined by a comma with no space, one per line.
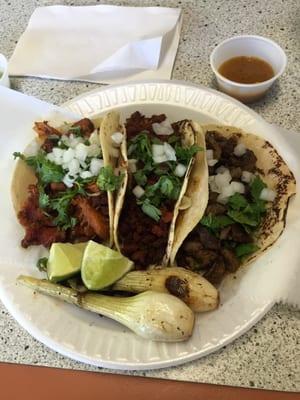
154,316
199,294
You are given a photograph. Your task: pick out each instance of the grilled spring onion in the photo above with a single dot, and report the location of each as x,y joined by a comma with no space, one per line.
192,288
154,316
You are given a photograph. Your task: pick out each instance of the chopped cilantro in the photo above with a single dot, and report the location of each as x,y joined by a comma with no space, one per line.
150,210
107,180
216,222
76,130
170,186
184,154
140,148
256,186
167,185
245,249
44,200
172,139
140,177
162,169
17,154
61,204
46,170
237,201
42,264
243,218
155,140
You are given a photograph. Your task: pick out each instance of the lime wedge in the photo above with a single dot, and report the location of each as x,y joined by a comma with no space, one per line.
64,260
102,266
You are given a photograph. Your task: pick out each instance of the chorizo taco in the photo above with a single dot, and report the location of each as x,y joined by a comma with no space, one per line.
64,182
250,186
166,180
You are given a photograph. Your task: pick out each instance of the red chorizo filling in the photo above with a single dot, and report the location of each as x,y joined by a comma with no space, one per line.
158,162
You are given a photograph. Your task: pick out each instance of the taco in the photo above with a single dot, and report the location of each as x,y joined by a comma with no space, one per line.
161,185
250,186
63,183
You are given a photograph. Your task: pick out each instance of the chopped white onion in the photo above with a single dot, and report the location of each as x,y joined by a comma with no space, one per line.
117,138
246,176
169,152
57,155
238,187
94,138
209,154
239,150
223,179
228,190
212,184
74,141
132,165
160,159
93,150
68,155
164,128
166,123
180,170
65,140
57,152
222,199
50,157
212,162
86,174
81,151
267,194
68,181
138,191
83,164
158,150
96,165
73,167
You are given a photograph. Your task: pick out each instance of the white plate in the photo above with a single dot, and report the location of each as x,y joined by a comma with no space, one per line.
87,337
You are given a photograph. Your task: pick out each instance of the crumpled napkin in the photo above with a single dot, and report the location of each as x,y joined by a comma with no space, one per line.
103,43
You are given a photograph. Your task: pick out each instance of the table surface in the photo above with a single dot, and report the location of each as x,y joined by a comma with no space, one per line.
265,357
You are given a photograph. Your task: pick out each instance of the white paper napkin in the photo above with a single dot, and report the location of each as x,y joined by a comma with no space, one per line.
279,275
105,44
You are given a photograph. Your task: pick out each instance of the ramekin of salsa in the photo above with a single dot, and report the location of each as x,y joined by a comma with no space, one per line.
246,66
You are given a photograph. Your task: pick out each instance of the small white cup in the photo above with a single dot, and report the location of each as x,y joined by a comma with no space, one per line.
250,46
4,80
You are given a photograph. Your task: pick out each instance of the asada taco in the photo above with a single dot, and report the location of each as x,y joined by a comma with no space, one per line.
250,186
161,158
63,183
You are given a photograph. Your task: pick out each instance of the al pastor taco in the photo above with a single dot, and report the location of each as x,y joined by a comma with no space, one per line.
250,186
162,185
63,184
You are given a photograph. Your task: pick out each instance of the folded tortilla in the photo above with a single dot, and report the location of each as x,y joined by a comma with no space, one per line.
24,176
192,199
274,171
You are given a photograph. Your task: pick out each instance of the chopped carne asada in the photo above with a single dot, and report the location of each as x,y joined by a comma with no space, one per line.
236,207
